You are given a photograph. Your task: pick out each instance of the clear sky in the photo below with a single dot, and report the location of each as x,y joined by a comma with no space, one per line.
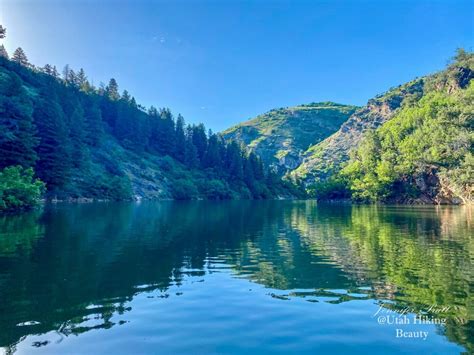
222,62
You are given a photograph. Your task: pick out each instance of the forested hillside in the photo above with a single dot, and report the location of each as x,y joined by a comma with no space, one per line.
88,142
280,136
413,144
62,138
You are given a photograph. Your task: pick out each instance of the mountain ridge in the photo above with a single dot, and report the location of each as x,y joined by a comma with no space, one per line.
281,135
412,144
364,155
325,157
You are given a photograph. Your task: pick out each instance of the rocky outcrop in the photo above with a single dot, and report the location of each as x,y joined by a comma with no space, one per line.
325,158
281,136
428,188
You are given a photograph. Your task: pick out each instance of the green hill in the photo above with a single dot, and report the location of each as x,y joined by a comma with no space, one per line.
280,136
84,142
413,144
324,158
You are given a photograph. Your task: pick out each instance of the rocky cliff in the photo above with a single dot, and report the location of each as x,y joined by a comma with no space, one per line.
412,144
324,158
281,136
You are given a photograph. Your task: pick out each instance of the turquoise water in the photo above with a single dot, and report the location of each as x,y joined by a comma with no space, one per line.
235,277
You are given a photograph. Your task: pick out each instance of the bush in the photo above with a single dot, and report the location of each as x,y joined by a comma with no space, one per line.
184,189
18,189
432,135
332,189
107,187
215,189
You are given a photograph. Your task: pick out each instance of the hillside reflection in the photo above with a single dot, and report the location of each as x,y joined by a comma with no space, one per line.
71,267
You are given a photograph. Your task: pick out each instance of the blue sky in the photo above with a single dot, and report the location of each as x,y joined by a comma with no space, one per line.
222,62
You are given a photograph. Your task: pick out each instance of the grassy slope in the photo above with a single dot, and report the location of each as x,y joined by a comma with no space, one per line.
326,157
281,135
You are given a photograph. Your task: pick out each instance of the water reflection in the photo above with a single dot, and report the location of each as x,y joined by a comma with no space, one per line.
75,268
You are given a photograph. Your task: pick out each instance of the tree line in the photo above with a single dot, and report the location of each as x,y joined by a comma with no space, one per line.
55,123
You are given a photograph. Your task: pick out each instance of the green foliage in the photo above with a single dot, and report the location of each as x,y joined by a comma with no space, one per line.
215,189
18,188
279,136
54,163
93,142
458,74
20,57
3,52
433,134
332,189
117,188
326,158
184,190
17,129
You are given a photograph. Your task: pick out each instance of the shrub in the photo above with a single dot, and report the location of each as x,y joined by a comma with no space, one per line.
184,189
18,189
332,189
215,189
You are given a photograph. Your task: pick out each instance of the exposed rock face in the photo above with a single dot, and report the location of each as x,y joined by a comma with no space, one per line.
430,189
323,159
280,136
444,178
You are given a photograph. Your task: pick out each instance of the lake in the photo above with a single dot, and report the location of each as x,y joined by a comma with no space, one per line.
237,277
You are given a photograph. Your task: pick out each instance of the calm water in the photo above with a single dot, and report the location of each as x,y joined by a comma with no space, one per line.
254,277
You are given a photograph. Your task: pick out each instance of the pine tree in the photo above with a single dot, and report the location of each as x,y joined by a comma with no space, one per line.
3,52
82,82
55,73
93,125
167,138
154,122
212,157
109,108
162,131
222,150
126,97
180,139
200,140
3,32
126,122
53,150
20,57
234,160
81,77
101,89
77,137
111,91
47,69
70,77
57,129
17,130
144,133
190,155
50,70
